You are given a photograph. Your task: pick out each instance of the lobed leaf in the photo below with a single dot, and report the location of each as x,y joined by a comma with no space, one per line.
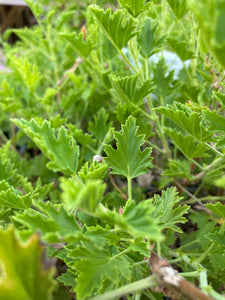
128,90
218,238
54,222
102,264
211,18
219,97
147,38
82,47
61,150
168,215
100,127
189,121
216,122
26,272
178,168
128,159
217,208
11,197
179,7
139,221
134,7
84,196
187,144
93,172
118,27
181,48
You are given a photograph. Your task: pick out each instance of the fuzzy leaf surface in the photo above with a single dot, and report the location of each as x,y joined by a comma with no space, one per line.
94,171
54,223
61,149
187,144
217,208
11,197
102,264
134,7
211,23
178,168
128,159
147,40
100,127
181,48
168,213
84,196
83,48
136,219
187,119
216,122
179,7
25,276
128,90
218,238
118,27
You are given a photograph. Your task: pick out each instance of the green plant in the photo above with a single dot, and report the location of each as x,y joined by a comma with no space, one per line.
112,157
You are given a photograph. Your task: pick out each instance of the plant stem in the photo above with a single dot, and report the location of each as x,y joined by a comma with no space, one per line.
210,167
138,297
215,150
129,184
133,287
201,258
158,249
127,61
106,138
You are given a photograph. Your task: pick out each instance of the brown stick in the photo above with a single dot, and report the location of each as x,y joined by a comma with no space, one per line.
171,283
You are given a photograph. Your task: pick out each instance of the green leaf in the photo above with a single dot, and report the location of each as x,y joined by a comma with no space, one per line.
80,136
211,18
220,182
216,122
188,120
147,39
26,273
220,97
61,150
218,238
102,264
128,159
217,208
11,197
218,261
128,89
93,172
7,167
134,7
163,79
139,221
82,47
100,127
8,101
187,144
28,72
168,215
68,279
84,196
136,219
181,48
118,27
54,222
179,7
140,246
178,168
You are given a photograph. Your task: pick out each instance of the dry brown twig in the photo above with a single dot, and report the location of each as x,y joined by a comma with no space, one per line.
171,283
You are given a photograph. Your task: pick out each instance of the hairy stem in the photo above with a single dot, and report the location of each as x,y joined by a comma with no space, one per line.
133,287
